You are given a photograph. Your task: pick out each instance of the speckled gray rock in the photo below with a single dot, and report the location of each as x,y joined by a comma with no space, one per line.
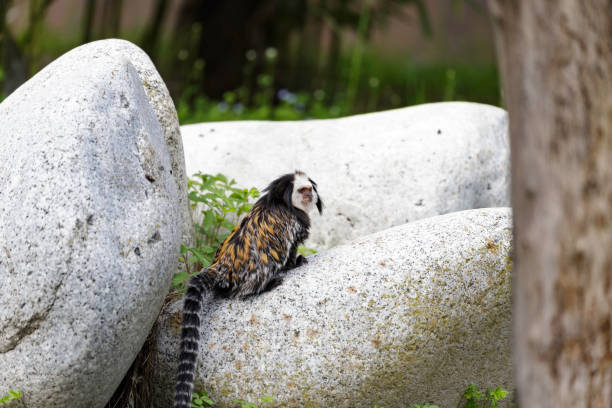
161,102
374,171
90,223
407,315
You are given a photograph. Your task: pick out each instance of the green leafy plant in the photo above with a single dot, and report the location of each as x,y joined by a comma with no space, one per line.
11,396
473,397
472,394
201,400
476,398
219,204
496,395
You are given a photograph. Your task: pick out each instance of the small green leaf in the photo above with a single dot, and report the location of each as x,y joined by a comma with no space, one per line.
193,196
209,219
245,404
245,208
306,251
201,400
472,393
499,394
229,209
228,225
207,250
268,399
179,278
199,255
11,396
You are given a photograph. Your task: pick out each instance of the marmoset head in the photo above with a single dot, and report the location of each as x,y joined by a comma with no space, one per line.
295,190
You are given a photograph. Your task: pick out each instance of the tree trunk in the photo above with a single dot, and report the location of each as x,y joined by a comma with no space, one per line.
556,64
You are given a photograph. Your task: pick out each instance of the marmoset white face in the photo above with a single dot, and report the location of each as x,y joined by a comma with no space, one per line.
304,194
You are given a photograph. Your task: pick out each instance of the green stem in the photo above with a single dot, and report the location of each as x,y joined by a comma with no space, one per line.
88,18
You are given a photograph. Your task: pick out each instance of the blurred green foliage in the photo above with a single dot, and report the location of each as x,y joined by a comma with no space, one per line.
384,85
262,60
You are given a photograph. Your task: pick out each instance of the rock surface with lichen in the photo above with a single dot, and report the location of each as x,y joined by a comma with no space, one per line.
409,315
93,208
374,171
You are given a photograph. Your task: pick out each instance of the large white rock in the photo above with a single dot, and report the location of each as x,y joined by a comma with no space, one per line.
374,171
90,222
408,315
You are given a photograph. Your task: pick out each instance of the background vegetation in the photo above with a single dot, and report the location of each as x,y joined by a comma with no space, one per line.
270,59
